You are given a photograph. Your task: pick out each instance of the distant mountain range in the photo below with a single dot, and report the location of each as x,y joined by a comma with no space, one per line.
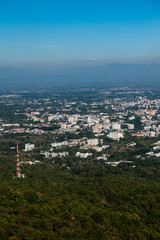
110,74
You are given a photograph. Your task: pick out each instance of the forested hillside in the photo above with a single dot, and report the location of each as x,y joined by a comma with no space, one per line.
100,203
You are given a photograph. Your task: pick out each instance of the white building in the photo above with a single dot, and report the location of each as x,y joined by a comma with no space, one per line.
130,126
83,155
106,126
88,119
92,142
73,118
60,154
59,144
152,134
157,154
63,126
106,121
50,118
56,144
115,135
96,128
29,147
116,126
131,118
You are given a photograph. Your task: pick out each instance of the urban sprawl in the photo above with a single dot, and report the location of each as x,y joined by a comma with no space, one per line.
79,124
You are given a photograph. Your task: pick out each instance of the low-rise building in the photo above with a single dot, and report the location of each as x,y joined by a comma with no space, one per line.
29,147
83,155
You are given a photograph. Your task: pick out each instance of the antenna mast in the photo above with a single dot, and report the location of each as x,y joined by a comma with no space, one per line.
18,174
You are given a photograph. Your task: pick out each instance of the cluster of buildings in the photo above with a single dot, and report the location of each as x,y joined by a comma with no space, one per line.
84,144
155,151
97,124
103,114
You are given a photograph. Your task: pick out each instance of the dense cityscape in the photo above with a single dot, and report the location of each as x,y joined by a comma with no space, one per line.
119,117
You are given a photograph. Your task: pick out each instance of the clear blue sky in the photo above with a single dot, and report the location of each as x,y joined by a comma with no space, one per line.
66,32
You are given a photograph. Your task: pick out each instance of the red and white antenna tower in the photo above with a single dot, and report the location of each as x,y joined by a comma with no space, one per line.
18,174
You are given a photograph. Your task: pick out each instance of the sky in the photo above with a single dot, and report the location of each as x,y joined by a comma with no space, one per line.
57,34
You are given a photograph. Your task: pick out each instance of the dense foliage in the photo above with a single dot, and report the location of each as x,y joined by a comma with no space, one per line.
54,203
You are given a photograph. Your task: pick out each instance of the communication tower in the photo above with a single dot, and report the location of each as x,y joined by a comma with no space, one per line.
18,173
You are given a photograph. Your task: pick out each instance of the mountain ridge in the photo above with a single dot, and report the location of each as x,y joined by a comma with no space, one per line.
109,73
